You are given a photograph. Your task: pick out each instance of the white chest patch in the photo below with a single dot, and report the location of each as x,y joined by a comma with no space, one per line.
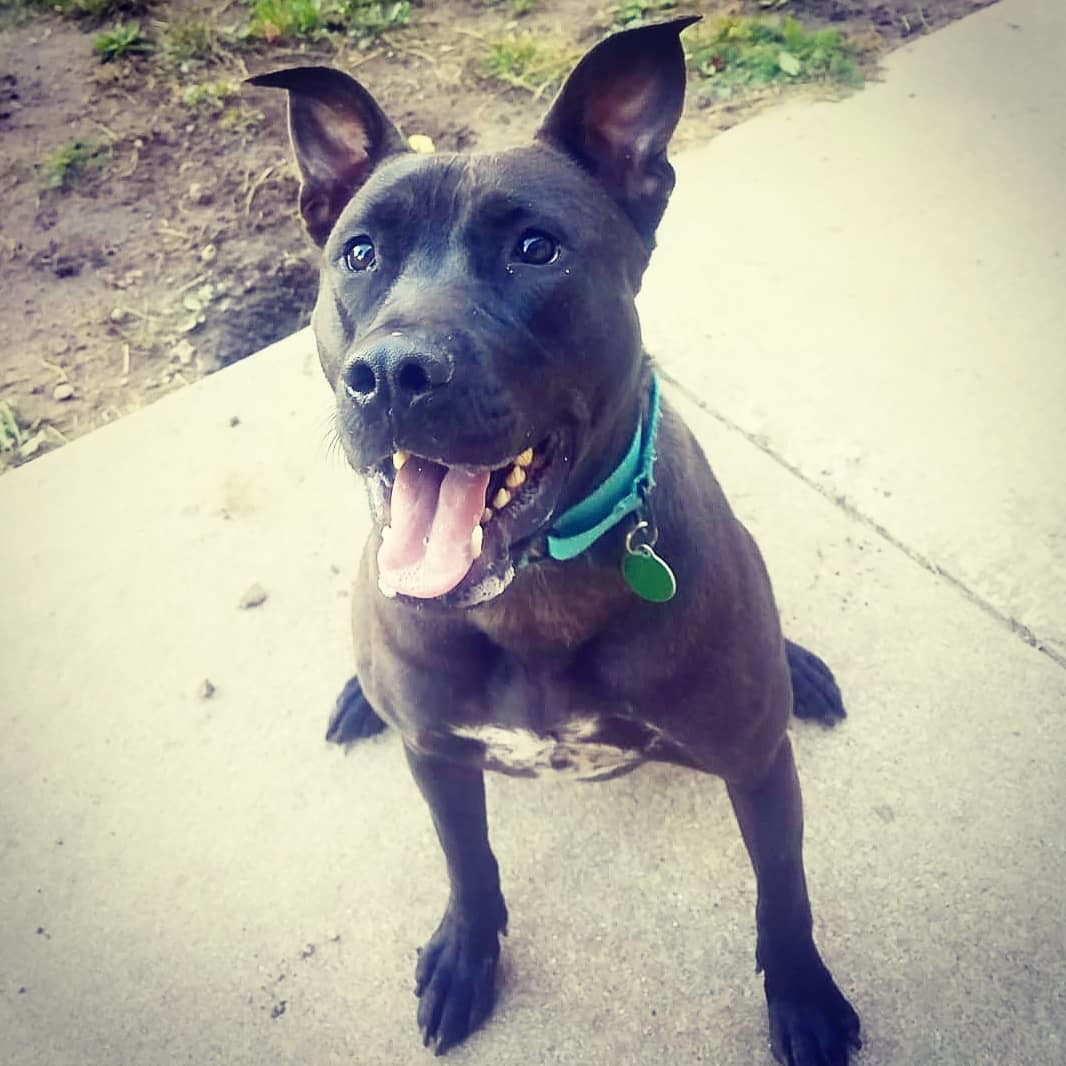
570,750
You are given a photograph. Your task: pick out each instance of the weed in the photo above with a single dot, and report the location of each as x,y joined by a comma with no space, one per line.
210,96
369,18
740,53
518,7
125,39
12,430
61,169
241,120
632,13
96,10
190,39
275,20
20,439
523,62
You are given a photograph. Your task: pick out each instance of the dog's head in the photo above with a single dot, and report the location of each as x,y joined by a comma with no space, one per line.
476,313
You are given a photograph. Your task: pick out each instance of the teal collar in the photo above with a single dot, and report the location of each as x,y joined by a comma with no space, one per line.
621,493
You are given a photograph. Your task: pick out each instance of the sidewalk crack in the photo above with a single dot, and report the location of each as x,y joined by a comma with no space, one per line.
840,501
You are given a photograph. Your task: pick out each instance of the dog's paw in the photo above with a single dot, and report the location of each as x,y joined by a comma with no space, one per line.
814,1025
455,981
814,689
352,718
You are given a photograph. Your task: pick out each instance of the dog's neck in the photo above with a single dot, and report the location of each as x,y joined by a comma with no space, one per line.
618,495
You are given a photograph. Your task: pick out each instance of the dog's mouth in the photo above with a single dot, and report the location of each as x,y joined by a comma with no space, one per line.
457,532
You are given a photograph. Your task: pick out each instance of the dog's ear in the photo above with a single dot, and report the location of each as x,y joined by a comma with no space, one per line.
339,134
618,110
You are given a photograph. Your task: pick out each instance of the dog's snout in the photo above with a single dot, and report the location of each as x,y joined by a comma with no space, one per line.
404,373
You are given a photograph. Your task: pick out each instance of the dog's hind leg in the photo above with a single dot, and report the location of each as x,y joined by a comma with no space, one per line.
815,693
352,718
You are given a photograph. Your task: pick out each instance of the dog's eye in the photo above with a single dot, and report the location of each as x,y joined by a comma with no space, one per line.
359,254
536,248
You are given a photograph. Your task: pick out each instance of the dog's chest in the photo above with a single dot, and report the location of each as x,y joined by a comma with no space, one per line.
584,747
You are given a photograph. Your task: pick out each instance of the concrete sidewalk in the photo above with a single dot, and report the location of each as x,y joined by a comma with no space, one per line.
202,880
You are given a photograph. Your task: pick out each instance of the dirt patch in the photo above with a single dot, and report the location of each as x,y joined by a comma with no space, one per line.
150,236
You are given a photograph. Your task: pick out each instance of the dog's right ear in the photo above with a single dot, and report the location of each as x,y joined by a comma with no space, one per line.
339,135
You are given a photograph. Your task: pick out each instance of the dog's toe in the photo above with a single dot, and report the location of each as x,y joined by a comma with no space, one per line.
455,981
816,1026
815,692
352,718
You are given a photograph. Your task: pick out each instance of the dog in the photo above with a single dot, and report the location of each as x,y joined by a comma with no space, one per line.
555,582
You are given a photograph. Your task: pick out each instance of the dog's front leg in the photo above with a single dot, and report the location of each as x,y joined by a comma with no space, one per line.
455,979
811,1023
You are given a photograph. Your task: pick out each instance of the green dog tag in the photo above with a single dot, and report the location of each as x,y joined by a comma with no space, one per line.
649,576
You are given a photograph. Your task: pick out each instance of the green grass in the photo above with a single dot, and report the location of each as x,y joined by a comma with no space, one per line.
739,53
280,20
632,13
516,7
12,430
66,165
276,20
210,96
20,439
97,10
524,62
191,39
124,39
371,18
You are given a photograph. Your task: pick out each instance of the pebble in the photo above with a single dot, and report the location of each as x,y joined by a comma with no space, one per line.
253,597
183,351
420,143
63,391
206,689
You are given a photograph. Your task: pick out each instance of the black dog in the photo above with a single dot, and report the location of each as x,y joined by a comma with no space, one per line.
555,581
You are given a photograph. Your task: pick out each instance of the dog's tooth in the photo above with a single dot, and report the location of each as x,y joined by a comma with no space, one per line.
501,499
476,540
399,458
516,478
524,458
486,516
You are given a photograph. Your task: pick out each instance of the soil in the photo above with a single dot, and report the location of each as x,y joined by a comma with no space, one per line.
178,250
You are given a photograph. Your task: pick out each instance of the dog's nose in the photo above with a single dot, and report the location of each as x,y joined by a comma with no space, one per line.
406,374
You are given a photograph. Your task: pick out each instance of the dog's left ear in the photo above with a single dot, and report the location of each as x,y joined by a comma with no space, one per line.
617,112
339,134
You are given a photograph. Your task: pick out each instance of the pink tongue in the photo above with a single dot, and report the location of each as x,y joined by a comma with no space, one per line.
435,510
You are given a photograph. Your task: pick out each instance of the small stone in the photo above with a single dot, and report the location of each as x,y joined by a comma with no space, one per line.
206,689
234,421
420,143
253,597
63,391
198,194
209,253
184,352
118,314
